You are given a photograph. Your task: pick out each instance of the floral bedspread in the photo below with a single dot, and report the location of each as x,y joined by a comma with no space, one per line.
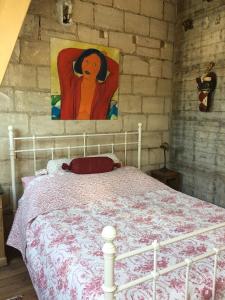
58,229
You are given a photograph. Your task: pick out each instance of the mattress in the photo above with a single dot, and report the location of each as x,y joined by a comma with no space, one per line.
58,229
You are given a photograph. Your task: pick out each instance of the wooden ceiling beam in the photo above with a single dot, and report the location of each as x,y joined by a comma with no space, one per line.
12,14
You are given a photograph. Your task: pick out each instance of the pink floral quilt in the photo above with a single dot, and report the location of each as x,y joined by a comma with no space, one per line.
58,229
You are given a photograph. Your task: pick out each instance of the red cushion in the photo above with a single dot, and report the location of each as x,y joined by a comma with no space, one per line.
90,165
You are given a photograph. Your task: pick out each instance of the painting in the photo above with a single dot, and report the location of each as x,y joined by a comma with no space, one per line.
84,81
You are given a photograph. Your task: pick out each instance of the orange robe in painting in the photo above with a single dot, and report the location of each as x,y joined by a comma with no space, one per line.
70,85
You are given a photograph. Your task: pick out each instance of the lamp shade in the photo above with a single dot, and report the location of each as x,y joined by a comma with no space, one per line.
164,146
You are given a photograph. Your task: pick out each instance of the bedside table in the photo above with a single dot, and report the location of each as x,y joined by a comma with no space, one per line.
167,176
3,260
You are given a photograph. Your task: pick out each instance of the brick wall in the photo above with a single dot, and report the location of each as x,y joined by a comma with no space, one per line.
197,138
144,32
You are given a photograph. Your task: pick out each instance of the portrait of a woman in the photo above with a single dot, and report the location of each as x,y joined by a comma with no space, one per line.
88,80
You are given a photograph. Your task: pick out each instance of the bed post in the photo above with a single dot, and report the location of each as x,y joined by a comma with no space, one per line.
139,144
12,163
109,251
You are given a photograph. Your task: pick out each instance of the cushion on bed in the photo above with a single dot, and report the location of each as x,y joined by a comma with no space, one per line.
55,165
91,165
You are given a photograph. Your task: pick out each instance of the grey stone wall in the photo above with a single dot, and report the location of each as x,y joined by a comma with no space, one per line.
198,138
144,32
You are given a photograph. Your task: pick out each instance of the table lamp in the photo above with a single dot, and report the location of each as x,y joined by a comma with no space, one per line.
165,147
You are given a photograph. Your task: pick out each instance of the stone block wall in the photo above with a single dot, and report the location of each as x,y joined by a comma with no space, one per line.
143,30
198,138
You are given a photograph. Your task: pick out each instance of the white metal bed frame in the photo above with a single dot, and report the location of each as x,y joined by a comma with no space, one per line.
13,149
109,233
109,250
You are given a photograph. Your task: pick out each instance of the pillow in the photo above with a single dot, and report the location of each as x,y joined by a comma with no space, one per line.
55,165
110,155
41,172
91,165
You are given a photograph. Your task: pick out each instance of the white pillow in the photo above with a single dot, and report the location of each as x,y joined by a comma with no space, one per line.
110,155
41,172
55,165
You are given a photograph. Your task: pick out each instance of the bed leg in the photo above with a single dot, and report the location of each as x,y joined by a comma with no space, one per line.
109,251
13,169
139,144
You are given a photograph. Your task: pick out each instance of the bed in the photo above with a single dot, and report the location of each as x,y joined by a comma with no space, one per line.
156,243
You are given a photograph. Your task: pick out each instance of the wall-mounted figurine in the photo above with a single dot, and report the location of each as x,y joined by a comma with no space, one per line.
64,11
206,87
188,24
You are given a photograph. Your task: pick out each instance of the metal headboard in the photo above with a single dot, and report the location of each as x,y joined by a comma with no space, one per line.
34,149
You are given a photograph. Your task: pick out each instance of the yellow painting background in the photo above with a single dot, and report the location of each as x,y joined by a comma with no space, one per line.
58,44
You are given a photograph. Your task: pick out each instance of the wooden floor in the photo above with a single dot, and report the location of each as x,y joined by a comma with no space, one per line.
15,281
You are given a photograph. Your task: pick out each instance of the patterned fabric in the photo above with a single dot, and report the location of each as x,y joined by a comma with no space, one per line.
55,165
26,180
63,243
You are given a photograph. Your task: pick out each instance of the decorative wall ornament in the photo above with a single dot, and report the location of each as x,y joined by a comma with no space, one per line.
188,24
64,11
218,19
206,86
206,23
84,81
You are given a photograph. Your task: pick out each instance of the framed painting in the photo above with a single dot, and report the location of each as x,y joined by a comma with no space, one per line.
84,81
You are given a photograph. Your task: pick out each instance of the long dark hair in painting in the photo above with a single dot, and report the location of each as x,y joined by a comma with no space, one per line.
88,80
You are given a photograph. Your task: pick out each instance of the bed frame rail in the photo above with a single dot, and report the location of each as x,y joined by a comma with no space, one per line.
84,145
109,251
